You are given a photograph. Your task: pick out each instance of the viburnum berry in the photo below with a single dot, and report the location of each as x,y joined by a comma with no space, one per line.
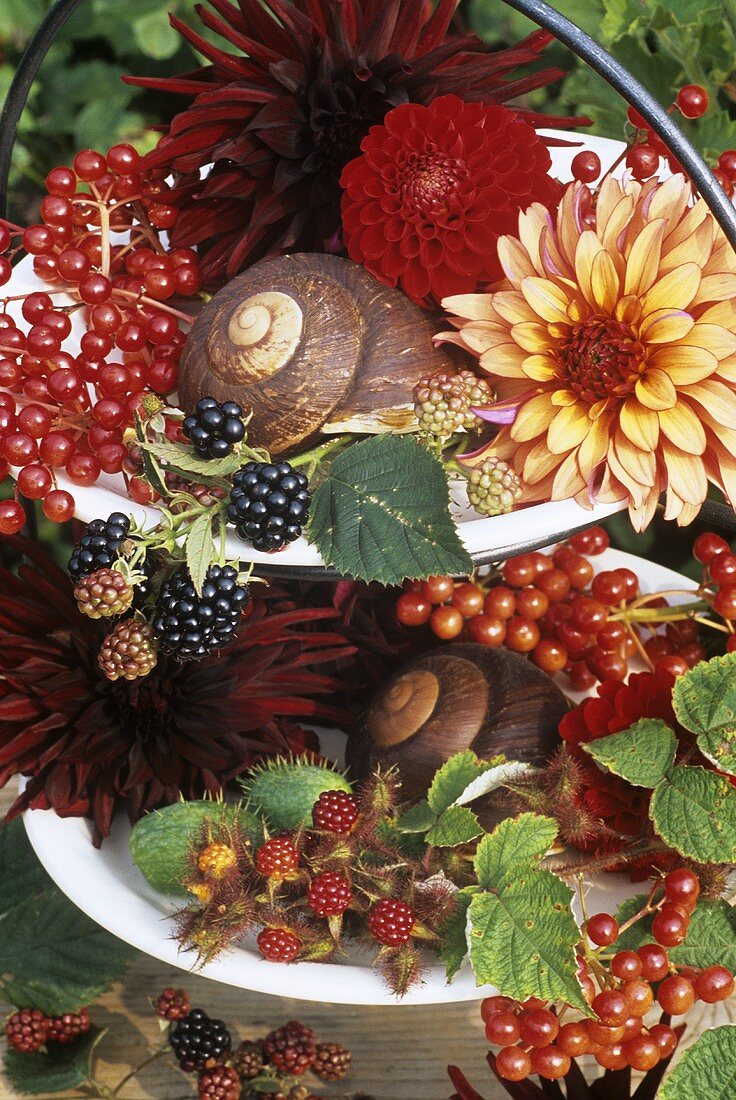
391,922
329,894
676,995
291,1049
219,1083
692,100
682,887
278,944
586,166
69,1027
669,926
27,1030
335,812
502,1029
539,1027
513,1064
216,860
172,1004
332,1061
713,984
655,962
602,929
278,859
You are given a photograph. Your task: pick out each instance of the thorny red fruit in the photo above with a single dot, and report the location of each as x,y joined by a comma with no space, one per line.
335,812
391,922
329,894
278,858
278,944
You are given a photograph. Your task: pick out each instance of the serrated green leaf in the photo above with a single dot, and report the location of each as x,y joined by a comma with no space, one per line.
454,939
711,935
707,1069
455,826
54,957
200,550
643,754
62,1068
704,701
22,874
452,779
694,811
516,842
185,460
417,819
523,938
382,514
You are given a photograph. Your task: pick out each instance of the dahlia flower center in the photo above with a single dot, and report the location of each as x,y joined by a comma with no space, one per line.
601,358
429,179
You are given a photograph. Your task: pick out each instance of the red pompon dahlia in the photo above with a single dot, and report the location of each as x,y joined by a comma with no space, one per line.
433,190
285,100
88,745
621,806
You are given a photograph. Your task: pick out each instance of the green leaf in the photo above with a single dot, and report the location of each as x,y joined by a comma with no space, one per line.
54,957
515,842
707,1069
694,811
642,754
22,874
704,701
155,35
382,513
200,550
711,935
498,772
417,819
454,938
453,778
62,1068
455,826
186,461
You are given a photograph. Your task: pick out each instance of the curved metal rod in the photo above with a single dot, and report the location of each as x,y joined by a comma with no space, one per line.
20,86
637,95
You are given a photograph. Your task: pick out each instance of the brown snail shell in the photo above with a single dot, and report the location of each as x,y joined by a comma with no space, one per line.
460,696
310,343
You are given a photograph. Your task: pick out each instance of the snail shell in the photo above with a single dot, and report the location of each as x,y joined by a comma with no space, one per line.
310,343
462,696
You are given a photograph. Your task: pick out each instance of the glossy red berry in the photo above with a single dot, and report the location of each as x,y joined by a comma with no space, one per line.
278,858
692,100
639,995
602,929
539,1027
278,944
489,1006
713,984
502,1029
12,517
573,1039
335,812
391,921
676,995
513,1064
643,160
412,609
58,506
551,1063
611,1007
329,894
682,887
707,545
626,965
669,926
642,1052
665,1038
654,962
586,166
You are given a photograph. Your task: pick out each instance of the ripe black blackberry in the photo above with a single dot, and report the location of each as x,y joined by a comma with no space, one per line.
99,546
191,627
198,1041
213,428
269,504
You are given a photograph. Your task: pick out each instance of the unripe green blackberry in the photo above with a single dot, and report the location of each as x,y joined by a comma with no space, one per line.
443,402
493,487
104,594
128,651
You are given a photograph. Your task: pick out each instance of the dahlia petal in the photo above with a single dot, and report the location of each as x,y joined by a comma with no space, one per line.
716,339
568,479
568,429
588,248
605,282
717,399
480,336
532,223
546,299
721,313
694,246
514,260
505,360
540,368
641,515
656,390
531,336
592,449
670,199
683,363
638,464
716,288
533,418
683,428
642,265
686,475
512,306
539,463
474,307
562,398
676,290
611,231
628,310
665,326
639,424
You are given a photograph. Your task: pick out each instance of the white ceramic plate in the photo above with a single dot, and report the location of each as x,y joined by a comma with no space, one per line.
487,539
106,885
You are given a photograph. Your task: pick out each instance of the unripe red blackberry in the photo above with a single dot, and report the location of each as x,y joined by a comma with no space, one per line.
69,1027
219,1083
248,1059
128,651
443,402
335,812
391,922
27,1030
493,487
332,1062
172,1004
291,1049
278,858
278,944
103,594
329,894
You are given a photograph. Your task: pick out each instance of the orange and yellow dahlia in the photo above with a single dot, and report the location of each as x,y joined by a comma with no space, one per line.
612,344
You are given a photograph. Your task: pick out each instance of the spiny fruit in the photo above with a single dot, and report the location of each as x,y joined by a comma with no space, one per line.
216,860
391,921
278,944
284,791
69,1027
278,859
292,1048
27,1030
335,812
103,594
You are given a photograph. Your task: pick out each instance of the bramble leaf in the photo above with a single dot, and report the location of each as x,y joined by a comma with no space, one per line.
707,1069
711,935
455,826
452,779
694,811
643,754
200,550
186,461
62,1068
515,842
417,819
704,701
454,937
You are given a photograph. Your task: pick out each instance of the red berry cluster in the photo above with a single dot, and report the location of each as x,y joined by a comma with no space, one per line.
29,1029
618,985
64,410
718,586
555,608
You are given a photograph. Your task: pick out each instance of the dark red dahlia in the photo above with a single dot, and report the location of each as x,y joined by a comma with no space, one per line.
282,112
434,189
89,745
617,706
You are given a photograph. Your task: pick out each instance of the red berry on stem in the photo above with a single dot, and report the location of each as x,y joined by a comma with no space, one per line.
586,166
643,160
655,963
682,887
489,1006
513,1064
602,929
438,589
522,635
12,517
626,965
34,481
551,1063
574,1039
502,1029
520,571
604,1035
669,926
676,995
539,1027
468,600
500,602
639,994
58,506
550,655
329,894
446,622
611,1007
612,1057
89,165
713,984
642,1052
485,630
412,609
707,545
692,100
665,1038
335,812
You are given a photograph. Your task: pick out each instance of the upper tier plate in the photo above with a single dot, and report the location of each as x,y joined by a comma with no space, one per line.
105,884
486,539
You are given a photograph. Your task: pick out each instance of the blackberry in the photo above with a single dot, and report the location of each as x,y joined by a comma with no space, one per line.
172,1004
27,1030
104,594
291,1049
213,428
69,1027
333,1061
248,1059
269,504
493,487
99,546
443,402
198,1041
191,627
128,651
219,1083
